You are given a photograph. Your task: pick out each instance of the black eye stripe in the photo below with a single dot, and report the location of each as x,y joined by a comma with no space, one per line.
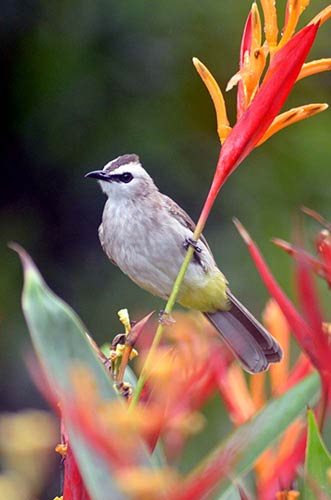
125,177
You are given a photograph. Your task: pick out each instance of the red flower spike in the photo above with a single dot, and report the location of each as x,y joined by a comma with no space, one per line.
311,337
246,40
309,301
278,82
246,43
73,488
302,331
315,215
320,347
137,329
324,249
319,267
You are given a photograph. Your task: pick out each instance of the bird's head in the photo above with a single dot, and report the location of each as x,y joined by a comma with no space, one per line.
124,177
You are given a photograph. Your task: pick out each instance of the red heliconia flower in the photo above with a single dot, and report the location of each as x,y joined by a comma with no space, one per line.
184,372
277,466
307,328
324,251
73,485
323,244
262,89
321,264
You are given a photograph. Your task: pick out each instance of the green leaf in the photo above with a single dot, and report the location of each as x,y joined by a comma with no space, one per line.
60,342
250,440
230,493
317,463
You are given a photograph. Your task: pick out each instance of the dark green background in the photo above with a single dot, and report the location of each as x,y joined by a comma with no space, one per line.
85,81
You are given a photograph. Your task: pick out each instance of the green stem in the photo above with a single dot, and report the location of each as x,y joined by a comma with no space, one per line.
168,308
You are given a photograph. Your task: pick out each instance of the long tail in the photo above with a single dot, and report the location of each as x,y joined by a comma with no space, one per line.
247,338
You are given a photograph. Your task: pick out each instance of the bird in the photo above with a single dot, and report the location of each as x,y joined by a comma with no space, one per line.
146,234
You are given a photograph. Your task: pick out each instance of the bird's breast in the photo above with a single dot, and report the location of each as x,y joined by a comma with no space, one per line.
135,239
147,244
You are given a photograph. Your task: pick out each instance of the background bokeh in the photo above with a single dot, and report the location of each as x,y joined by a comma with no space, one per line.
85,81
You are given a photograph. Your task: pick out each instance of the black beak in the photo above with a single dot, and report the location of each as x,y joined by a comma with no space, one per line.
98,174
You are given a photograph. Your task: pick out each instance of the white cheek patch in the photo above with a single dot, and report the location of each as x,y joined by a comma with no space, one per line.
124,190
105,186
118,189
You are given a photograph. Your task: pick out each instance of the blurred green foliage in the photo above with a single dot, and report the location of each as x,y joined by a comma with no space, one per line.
88,80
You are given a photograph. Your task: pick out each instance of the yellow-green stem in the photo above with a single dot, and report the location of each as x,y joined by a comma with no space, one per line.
168,309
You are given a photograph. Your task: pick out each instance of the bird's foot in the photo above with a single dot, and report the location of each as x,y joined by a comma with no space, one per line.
165,318
190,242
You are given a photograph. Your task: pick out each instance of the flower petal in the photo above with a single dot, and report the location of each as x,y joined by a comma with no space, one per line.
270,23
315,215
246,43
276,324
323,16
251,63
293,10
301,329
322,269
314,67
278,82
284,472
291,116
235,394
223,126
311,310
73,488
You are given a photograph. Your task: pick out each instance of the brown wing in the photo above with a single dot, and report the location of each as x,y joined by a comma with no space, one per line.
101,238
183,217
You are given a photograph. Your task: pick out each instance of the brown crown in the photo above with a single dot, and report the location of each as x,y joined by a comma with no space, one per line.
122,160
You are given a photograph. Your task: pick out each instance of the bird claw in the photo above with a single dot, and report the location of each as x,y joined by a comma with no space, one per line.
190,242
165,318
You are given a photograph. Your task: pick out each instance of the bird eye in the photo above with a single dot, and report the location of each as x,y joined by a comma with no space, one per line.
127,177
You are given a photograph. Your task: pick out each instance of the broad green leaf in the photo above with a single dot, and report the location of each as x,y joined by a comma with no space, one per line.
250,440
60,342
317,463
254,437
58,334
230,493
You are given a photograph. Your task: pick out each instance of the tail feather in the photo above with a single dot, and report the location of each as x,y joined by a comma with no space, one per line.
247,338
